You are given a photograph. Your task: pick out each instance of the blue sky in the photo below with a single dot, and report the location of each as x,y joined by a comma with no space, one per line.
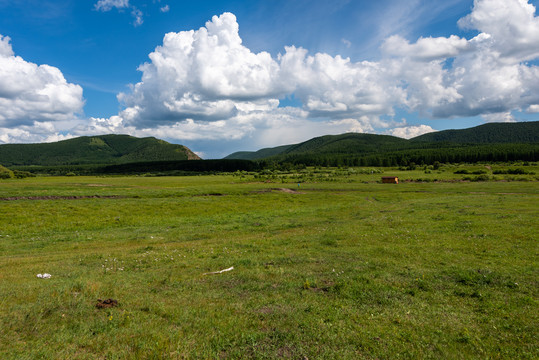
296,69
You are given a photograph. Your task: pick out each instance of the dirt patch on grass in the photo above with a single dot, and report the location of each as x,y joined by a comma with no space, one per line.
285,190
53,197
107,303
266,310
289,191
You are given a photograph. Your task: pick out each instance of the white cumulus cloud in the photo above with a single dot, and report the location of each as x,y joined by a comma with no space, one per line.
512,24
205,75
209,75
31,93
337,87
487,74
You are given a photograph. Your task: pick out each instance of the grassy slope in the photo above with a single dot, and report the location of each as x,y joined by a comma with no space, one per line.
5,172
345,269
93,150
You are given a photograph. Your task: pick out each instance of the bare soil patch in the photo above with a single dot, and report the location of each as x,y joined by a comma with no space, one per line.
107,303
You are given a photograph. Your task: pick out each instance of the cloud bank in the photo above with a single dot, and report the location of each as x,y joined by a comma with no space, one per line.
206,84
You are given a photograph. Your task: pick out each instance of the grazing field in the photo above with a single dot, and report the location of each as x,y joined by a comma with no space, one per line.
337,267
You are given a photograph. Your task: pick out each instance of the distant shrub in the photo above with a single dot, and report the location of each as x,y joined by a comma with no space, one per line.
22,174
517,171
481,178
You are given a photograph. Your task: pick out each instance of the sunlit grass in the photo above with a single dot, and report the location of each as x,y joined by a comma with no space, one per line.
344,268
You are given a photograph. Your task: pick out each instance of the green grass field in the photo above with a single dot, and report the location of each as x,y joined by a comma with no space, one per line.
341,267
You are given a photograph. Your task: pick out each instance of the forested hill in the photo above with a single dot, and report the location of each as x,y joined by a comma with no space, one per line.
353,143
350,143
106,149
260,154
493,133
347,143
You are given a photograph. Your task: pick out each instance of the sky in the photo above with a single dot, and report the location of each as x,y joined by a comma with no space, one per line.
226,76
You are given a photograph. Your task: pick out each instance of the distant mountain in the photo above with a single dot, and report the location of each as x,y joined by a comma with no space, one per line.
493,133
348,143
353,144
260,154
105,149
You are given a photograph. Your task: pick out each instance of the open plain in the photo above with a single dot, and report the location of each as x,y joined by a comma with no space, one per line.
327,264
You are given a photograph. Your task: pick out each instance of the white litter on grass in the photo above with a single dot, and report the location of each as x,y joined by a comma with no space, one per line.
220,271
44,276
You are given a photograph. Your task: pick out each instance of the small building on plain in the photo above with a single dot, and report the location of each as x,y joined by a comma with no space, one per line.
390,180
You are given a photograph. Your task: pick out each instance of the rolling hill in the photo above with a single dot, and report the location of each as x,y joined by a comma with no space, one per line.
105,149
362,144
350,143
488,142
260,154
493,133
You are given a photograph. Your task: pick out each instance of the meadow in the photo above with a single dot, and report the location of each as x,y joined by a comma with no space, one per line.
327,264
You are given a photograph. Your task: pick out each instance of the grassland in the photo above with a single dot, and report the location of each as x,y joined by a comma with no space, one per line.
339,267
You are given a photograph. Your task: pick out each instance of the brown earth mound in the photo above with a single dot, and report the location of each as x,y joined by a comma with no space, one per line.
107,303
